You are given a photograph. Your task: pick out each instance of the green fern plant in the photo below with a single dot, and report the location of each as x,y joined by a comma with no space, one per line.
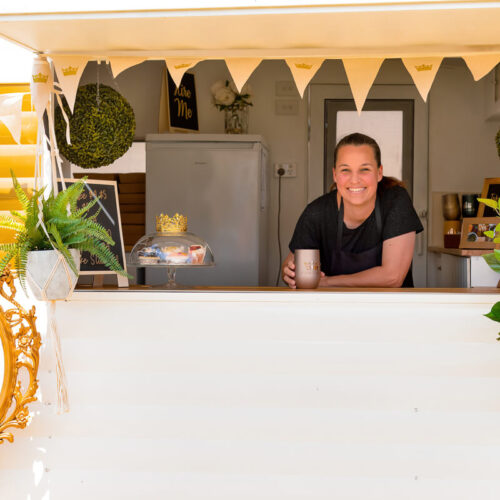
67,226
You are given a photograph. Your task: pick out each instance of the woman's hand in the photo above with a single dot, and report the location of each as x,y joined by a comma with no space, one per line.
324,281
288,270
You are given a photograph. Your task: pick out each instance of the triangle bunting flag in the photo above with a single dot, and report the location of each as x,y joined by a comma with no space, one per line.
177,66
241,69
303,70
69,70
361,74
423,70
119,64
481,65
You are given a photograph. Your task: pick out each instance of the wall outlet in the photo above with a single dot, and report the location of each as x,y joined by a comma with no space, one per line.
289,168
286,107
286,89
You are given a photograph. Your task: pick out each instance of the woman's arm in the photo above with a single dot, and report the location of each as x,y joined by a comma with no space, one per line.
397,254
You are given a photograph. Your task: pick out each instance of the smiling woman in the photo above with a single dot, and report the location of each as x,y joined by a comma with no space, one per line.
364,229
19,358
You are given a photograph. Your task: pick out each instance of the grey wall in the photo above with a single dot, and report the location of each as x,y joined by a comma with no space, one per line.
461,143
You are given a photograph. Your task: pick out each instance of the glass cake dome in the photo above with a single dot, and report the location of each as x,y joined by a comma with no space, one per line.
171,247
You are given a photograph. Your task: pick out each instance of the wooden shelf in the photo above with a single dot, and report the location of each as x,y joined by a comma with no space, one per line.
461,252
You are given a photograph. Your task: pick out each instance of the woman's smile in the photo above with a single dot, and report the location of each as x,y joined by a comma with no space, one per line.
357,175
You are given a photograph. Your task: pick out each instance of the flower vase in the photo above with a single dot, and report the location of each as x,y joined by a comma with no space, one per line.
236,121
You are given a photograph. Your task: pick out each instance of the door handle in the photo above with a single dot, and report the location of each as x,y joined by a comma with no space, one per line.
420,244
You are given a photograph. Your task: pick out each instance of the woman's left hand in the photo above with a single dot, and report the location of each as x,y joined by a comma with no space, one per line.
323,282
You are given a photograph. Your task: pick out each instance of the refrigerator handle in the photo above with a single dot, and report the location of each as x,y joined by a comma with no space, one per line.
263,181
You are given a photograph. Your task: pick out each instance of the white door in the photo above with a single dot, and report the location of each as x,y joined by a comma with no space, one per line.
412,149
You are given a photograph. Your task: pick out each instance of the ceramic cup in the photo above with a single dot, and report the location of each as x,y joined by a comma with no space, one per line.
307,268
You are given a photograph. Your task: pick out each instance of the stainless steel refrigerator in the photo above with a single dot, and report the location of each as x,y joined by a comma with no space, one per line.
220,183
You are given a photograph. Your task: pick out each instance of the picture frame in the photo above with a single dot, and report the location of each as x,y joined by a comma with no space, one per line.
491,190
178,106
472,236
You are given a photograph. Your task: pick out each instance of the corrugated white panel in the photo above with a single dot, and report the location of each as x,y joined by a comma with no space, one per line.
269,396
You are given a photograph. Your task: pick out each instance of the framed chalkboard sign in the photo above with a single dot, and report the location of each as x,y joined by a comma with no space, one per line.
109,218
182,109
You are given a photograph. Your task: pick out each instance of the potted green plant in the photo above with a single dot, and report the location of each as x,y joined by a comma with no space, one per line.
50,233
493,259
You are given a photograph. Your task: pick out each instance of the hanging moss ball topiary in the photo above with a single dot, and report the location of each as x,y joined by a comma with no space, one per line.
102,127
497,141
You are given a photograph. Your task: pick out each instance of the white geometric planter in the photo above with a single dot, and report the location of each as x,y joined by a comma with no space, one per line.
49,276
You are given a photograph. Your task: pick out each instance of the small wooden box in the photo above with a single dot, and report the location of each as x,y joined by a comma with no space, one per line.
452,240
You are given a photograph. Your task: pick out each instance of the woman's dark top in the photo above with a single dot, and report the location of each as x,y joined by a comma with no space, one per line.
317,226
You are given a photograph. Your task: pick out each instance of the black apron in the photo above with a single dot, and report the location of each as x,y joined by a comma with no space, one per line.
344,262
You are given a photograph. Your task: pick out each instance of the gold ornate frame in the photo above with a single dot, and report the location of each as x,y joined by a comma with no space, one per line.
21,348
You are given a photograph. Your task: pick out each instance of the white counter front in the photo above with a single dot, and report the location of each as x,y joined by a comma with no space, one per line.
266,395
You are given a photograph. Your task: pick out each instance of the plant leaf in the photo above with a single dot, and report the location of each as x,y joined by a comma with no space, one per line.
62,247
7,257
102,252
490,203
21,195
18,216
494,314
491,260
9,223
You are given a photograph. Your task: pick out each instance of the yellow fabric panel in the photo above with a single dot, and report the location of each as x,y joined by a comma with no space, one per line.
6,236
28,130
7,189
21,159
11,88
9,203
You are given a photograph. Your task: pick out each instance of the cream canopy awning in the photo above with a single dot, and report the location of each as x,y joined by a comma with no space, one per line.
337,30
362,34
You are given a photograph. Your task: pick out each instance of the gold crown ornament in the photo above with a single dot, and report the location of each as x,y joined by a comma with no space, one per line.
175,224
40,78
70,70
303,66
424,67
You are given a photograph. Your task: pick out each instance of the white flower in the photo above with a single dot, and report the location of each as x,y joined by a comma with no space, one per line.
224,96
219,84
